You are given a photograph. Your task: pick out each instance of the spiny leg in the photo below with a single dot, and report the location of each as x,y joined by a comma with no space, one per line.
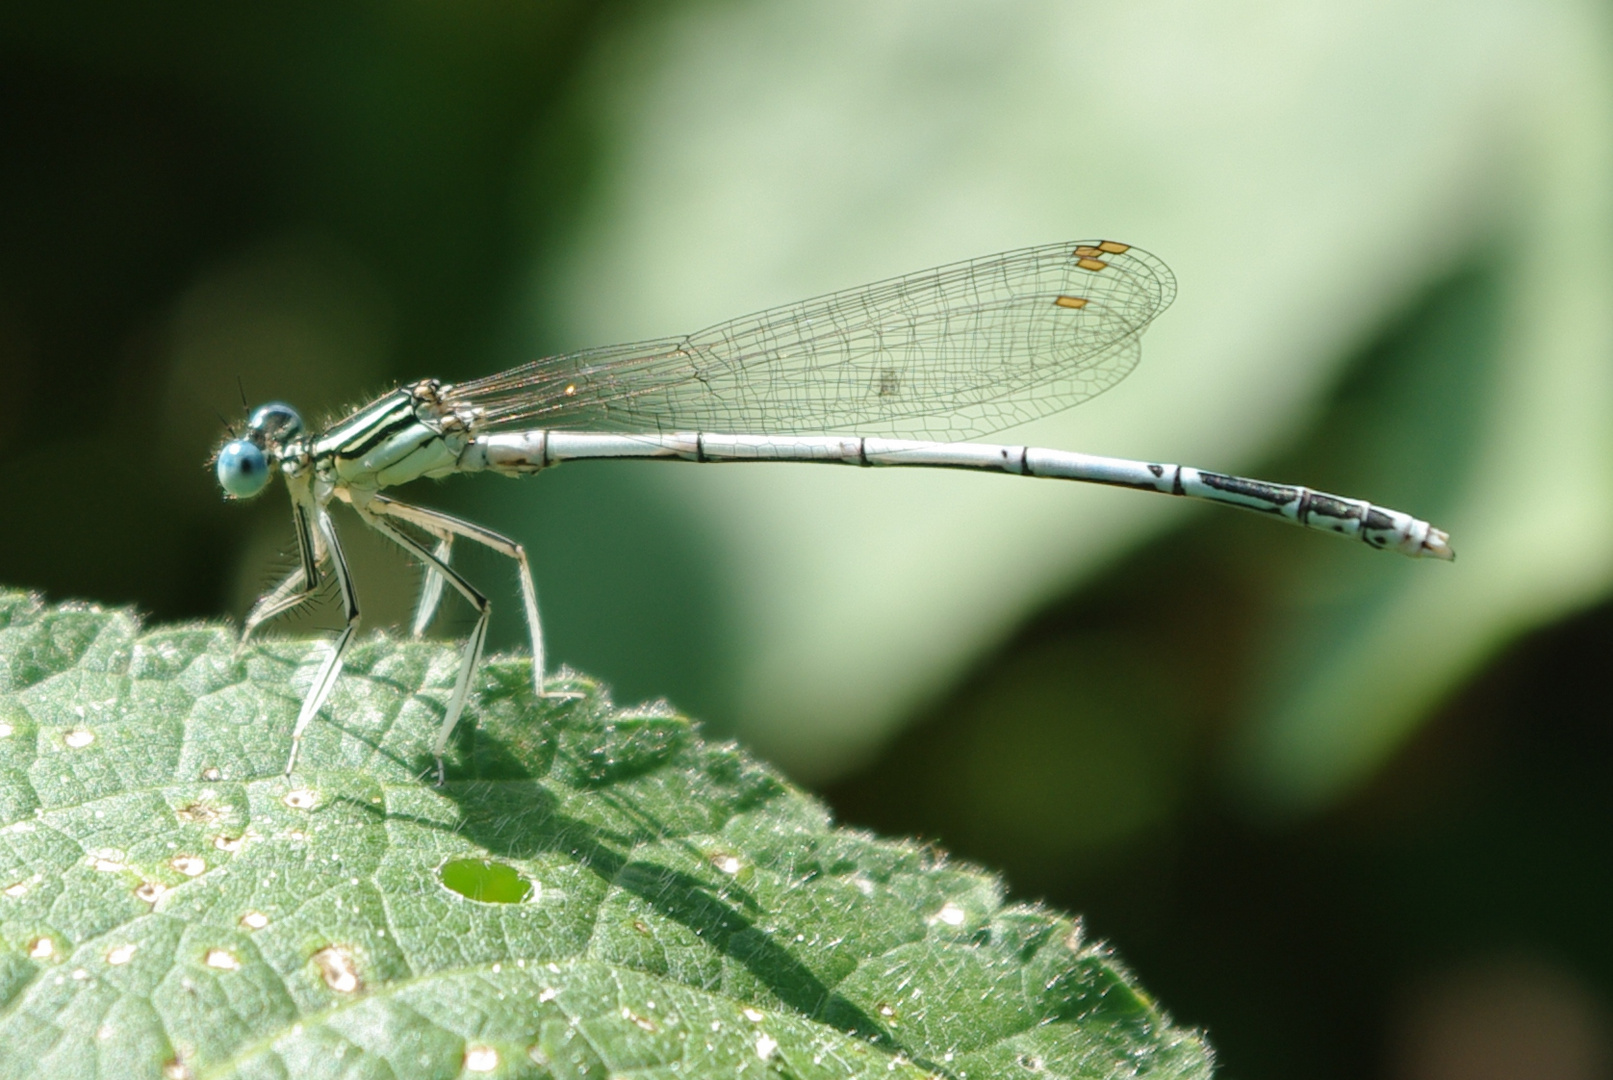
478,634
325,679
297,587
431,590
443,526
287,594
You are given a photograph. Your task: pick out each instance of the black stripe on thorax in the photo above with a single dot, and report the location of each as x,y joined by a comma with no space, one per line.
370,427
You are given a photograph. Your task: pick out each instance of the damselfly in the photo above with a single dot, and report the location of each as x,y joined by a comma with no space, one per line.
904,366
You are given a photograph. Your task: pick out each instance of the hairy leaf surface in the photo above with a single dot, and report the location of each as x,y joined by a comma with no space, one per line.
596,892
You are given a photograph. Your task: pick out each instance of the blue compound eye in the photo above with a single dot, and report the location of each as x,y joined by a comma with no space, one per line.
243,468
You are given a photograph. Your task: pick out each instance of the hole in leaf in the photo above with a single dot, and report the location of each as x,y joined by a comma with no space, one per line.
486,881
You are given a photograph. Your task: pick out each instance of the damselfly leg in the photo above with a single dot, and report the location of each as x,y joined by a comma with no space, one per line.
431,590
296,588
478,634
325,678
445,527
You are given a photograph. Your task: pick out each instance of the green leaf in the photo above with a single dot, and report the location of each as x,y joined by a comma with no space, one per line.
595,892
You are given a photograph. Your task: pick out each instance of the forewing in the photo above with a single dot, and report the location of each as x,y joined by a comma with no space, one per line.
954,352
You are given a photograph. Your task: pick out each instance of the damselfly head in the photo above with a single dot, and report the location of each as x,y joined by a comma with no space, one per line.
245,464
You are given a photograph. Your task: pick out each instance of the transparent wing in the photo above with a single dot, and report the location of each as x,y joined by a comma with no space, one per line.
955,352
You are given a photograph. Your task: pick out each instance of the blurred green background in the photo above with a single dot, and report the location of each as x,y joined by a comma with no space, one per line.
1348,812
